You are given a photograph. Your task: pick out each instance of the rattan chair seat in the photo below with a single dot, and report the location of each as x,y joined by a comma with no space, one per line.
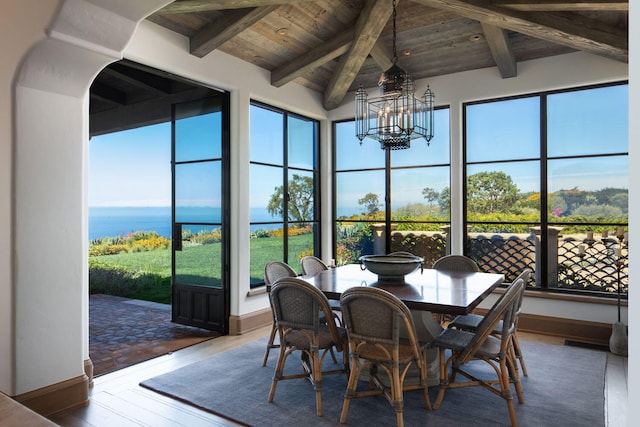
301,339
383,352
457,339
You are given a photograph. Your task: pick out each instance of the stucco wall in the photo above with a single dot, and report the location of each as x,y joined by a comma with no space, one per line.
23,23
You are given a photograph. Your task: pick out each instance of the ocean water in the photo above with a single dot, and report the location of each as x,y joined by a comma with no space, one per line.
120,221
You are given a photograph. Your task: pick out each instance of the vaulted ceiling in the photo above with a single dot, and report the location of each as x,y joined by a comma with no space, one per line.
333,46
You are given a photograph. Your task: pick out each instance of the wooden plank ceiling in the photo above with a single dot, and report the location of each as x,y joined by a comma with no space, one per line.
333,46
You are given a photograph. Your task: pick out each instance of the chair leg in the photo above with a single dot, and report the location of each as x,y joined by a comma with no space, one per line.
396,396
444,380
278,373
316,375
423,381
270,345
514,375
505,386
333,355
351,388
516,347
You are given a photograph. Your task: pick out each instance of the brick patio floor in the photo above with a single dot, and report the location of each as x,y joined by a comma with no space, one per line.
123,332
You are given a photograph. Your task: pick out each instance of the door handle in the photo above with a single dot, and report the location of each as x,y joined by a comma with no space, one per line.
176,240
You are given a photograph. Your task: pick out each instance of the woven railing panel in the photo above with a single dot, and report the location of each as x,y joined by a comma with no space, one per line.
595,269
509,256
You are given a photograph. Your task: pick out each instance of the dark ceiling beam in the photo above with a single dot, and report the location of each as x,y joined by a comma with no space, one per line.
571,30
148,112
313,59
382,55
108,94
498,42
371,21
141,79
191,6
231,24
564,6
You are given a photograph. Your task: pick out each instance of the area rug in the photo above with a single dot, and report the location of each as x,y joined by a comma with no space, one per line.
565,387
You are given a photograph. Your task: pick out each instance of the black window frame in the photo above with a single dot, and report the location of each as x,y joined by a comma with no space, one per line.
544,178
286,169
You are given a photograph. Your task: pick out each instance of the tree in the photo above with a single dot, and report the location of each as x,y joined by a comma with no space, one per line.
430,195
371,203
300,207
444,199
491,192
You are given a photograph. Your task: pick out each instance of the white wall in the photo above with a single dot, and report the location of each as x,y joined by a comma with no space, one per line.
23,24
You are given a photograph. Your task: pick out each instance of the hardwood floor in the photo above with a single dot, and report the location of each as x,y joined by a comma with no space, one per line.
118,400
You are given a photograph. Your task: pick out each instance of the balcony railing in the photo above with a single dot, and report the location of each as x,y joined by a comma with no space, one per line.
577,262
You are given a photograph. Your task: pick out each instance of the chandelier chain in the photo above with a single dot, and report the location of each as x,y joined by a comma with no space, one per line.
395,56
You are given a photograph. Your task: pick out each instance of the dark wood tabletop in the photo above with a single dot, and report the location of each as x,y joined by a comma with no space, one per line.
451,292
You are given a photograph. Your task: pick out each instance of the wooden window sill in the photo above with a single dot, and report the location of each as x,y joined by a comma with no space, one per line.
260,290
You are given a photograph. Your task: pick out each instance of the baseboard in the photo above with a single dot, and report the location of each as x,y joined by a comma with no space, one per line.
57,398
239,325
88,371
569,329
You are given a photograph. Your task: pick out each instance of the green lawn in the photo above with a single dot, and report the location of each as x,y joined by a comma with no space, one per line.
147,275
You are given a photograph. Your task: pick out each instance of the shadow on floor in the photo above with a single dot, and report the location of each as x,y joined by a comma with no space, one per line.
123,332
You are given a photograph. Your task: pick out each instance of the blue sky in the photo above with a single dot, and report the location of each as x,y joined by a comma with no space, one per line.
131,168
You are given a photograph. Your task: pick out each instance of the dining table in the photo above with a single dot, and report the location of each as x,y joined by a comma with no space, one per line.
424,291
436,291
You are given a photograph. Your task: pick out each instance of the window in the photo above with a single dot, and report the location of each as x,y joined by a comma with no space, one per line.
387,201
284,188
547,179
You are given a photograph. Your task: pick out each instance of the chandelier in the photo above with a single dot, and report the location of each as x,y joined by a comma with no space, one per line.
396,116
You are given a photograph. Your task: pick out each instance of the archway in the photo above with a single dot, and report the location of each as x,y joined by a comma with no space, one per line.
50,246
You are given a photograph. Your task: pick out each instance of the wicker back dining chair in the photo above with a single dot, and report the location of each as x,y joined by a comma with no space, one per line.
312,265
298,306
273,271
470,322
455,263
466,347
376,323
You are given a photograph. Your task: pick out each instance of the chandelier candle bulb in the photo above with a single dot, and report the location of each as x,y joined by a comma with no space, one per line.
590,235
617,252
582,249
